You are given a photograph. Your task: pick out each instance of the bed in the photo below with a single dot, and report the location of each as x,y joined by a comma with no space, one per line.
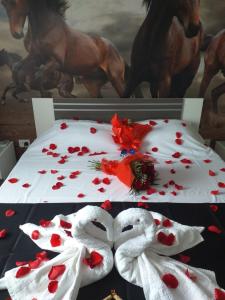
29,189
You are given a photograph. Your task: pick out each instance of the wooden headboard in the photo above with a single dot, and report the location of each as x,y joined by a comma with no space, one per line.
46,111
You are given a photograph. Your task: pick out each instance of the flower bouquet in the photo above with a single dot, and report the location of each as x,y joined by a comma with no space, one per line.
135,171
127,134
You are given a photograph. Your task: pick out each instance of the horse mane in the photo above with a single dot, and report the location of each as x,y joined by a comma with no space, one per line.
58,6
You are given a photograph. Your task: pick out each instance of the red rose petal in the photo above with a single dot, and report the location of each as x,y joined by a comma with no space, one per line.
214,229
171,182
144,198
174,193
107,205
170,280
53,146
65,224
176,155
41,255
212,173
10,213
53,286
63,126
13,180
215,192
71,150
157,222
172,171
155,149
94,260
164,239
35,235
186,161
168,162
178,134
106,181
214,208
151,191
62,161
152,123
179,142
61,178
42,172
219,294
22,272
143,205
222,170
56,271
221,185
44,150
80,195
35,264
45,223
93,130
54,171
85,149
162,193
21,263
207,161
55,240
96,181
101,190
190,276
167,223
179,187
26,185
184,258
3,233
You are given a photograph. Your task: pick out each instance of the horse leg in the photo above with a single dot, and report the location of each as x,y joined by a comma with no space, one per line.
164,87
7,89
93,87
66,86
216,93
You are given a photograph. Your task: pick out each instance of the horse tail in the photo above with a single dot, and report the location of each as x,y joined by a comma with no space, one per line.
207,38
138,92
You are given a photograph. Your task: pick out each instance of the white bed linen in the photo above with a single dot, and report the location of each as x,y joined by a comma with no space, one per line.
196,181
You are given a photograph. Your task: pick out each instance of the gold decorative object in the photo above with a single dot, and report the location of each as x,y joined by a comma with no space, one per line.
113,296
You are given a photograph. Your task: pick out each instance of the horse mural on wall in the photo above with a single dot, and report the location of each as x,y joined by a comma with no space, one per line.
51,42
166,50
214,63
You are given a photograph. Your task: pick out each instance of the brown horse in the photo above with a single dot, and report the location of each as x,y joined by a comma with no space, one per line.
76,53
166,50
214,62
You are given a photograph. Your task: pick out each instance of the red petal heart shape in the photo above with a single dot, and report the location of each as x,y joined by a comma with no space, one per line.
55,240
164,239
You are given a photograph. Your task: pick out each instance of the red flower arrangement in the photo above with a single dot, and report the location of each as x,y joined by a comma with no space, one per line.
135,171
128,135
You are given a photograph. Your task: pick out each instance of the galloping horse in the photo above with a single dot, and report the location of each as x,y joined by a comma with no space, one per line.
166,50
214,62
52,39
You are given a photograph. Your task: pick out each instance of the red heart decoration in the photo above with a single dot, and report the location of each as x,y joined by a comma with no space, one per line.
94,260
164,239
55,240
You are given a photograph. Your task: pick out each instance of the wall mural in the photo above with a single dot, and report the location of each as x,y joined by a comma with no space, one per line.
119,48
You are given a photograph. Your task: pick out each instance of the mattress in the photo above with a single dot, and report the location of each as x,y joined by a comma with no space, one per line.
208,254
50,159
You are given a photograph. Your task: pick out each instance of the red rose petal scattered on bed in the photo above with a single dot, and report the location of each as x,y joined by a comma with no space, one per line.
80,153
162,193
170,280
10,213
212,173
97,153
179,142
65,224
214,208
56,271
96,181
41,255
157,222
26,185
68,233
166,121
214,229
184,258
155,149
164,239
93,130
178,134
85,149
107,205
172,171
186,161
176,155
61,177
34,264
63,126
42,172
52,146
62,161
174,193
54,171
222,170
184,124
80,195
106,181
143,205
169,162
190,276
13,180
94,260
167,223
71,150
219,294
144,198
171,182
151,191
207,161
179,187
55,240
35,235
49,153
215,192
53,286
45,223
221,185
44,150
22,272
101,190
21,263
72,176
3,233
152,123
55,155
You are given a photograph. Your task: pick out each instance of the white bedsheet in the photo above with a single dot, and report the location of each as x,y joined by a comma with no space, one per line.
196,181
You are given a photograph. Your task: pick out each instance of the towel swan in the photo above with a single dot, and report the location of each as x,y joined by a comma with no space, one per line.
75,238
142,257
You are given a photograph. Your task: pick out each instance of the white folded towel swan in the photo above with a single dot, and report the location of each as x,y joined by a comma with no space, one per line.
70,272
142,257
